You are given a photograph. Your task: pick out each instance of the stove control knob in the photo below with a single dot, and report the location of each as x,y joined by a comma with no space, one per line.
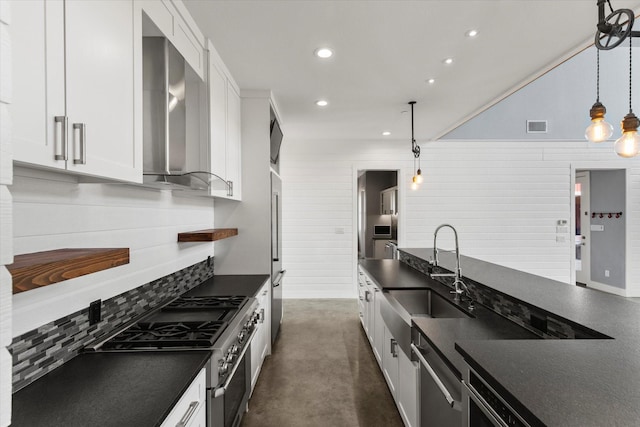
241,336
229,357
248,324
234,349
223,367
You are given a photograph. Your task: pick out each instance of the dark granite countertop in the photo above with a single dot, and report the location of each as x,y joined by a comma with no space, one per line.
443,333
392,274
225,285
109,389
568,383
560,382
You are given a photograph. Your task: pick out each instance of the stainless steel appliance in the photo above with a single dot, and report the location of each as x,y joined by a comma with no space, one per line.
277,273
382,230
440,389
483,406
225,325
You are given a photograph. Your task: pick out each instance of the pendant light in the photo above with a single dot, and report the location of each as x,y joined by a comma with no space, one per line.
599,130
415,149
628,145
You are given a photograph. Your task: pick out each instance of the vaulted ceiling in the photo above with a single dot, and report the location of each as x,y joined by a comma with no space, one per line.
384,54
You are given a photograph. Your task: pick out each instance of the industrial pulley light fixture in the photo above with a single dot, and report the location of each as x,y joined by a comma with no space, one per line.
612,31
415,149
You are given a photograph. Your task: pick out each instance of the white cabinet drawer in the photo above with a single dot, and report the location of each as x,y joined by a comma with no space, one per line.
190,406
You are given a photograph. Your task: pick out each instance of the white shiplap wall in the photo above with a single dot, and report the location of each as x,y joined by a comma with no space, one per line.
53,211
503,197
6,252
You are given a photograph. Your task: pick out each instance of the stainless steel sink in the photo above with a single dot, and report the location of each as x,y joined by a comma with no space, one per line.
426,302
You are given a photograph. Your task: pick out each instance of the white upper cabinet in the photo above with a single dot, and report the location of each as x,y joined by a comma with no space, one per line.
225,127
177,25
75,74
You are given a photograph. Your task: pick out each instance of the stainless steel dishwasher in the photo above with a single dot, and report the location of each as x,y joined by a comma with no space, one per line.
440,388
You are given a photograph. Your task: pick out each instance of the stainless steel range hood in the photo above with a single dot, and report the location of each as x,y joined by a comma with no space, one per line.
172,134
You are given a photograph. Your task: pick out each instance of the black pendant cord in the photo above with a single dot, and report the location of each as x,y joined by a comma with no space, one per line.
610,7
597,75
415,148
630,56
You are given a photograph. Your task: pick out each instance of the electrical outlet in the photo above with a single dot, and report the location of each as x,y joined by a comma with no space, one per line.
95,312
606,273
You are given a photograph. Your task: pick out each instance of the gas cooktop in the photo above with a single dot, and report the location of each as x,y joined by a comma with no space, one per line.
206,303
163,335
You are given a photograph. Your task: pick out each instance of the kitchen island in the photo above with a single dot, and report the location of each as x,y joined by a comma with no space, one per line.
552,382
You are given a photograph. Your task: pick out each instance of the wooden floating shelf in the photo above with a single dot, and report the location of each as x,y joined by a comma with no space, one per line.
209,235
30,271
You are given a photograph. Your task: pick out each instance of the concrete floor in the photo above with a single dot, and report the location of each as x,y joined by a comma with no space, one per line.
322,372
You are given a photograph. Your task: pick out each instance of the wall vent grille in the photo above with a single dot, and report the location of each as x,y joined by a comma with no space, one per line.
536,126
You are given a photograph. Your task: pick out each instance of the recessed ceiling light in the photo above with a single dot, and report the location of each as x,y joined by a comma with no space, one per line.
322,103
448,61
471,33
386,133
324,53
431,81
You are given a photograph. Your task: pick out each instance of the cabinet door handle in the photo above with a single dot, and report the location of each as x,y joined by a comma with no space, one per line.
366,296
61,146
82,158
394,348
187,415
230,188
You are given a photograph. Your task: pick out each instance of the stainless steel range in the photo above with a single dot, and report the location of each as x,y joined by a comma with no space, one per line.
225,325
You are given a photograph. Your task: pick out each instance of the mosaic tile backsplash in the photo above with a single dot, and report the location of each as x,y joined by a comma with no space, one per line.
540,322
41,350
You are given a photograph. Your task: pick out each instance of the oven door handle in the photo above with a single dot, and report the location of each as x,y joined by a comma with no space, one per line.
220,390
435,377
484,407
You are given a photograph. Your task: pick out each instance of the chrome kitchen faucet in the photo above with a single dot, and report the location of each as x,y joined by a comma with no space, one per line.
459,286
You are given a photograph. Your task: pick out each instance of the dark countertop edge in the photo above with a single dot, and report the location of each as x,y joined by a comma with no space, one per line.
522,410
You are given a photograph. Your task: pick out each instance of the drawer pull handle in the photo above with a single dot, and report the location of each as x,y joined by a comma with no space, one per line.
187,415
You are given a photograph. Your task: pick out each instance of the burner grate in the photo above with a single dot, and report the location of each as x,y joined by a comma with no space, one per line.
160,335
206,303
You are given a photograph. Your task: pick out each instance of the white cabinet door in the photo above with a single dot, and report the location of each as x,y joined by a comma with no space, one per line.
218,126
390,361
234,141
407,392
100,76
77,60
260,346
37,36
378,328
189,409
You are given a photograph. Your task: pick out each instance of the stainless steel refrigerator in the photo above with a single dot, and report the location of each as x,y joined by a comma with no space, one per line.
277,273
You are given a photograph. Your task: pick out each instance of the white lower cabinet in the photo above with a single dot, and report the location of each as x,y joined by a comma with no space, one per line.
407,391
390,362
378,331
190,411
261,344
400,373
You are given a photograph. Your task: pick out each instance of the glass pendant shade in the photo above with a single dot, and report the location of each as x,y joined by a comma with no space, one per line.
599,130
414,183
628,145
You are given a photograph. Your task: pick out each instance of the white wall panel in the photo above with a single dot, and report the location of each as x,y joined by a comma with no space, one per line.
6,213
53,211
504,198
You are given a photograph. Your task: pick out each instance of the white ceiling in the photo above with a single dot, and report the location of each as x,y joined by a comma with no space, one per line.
384,53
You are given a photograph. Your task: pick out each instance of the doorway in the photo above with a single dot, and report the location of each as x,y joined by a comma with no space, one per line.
582,229
600,203
378,209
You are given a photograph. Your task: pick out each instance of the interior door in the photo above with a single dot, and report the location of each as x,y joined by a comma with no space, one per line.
583,229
